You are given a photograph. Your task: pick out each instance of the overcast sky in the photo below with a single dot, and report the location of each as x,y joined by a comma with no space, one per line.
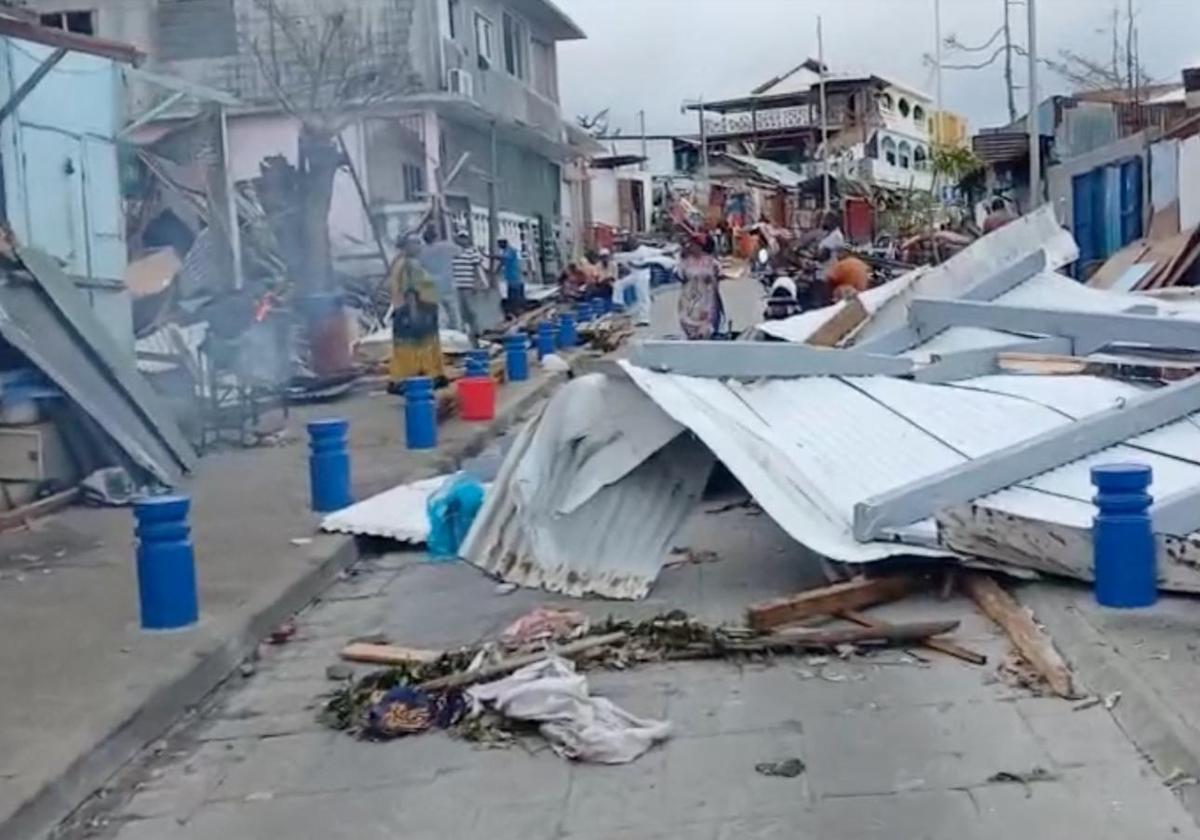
653,54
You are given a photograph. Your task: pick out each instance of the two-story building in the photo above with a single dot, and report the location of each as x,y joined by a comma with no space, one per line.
481,80
879,131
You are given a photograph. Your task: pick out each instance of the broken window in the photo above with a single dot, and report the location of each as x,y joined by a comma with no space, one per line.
484,38
82,22
886,104
905,154
514,46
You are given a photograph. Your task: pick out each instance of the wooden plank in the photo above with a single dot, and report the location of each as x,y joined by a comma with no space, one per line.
940,645
36,510
1029,639
826,637
388,654
847,319
507,666
1046,364
828,600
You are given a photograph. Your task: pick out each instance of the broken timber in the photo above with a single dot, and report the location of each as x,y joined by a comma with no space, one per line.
1004,467
914,631
507,666
375,654
940,645
1045,364
830,600
1029,639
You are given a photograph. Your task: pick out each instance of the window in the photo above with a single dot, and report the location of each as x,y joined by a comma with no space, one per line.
920,158
886,104
905,154
190,29
514,46
484,38
414,182
82,22
905,108
918,115
889,150
452,11
545,77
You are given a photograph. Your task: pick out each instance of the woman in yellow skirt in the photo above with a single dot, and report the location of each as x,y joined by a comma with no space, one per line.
416,346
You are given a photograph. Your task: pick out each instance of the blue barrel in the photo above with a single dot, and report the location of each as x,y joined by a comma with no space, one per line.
478,363
329,465
1123,537
545,339
166,564
516,357
567,336
420,413
583,312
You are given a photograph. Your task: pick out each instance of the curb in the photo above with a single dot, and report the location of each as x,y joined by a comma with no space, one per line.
1161,735
43,812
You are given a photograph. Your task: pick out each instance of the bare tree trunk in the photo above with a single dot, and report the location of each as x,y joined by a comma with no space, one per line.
320,157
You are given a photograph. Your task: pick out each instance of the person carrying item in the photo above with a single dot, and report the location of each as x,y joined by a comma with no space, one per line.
469,282
699,294
437,258
416,345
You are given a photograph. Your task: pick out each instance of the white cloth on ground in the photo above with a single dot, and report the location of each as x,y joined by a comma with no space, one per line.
577,725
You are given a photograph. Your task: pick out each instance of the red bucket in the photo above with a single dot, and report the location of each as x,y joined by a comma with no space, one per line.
477,398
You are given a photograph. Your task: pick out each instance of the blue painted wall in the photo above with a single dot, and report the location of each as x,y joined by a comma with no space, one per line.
61,172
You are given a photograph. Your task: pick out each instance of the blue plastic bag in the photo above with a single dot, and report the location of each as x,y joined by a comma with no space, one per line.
451,510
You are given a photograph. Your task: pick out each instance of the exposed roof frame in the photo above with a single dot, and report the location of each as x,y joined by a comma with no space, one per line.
759,359
26,30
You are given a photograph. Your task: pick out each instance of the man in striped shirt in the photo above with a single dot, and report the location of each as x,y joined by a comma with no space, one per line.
468,280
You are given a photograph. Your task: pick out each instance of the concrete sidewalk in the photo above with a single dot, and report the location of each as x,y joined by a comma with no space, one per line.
85,688
1151,656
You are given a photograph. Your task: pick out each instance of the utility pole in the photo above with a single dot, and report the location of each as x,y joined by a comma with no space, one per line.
937,53
703,143
1130,64
1035,132
1008,64
642,127
493,212
824,117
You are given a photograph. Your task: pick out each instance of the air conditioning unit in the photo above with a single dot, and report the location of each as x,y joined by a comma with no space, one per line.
460,82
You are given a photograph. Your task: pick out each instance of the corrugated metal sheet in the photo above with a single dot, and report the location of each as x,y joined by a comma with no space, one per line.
398,514
590,494
768,169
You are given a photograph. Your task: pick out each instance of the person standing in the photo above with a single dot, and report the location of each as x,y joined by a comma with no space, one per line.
468,282
699,293
437,258
416,346
510,270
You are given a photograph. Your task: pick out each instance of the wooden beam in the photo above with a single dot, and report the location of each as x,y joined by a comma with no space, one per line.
507,666
844,322
72,41
376,654
33,80
913,631
1029,639
967,364
1046,364
1009,465
830,600
940,645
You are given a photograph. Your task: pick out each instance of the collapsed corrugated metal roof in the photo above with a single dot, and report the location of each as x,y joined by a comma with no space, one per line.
861,468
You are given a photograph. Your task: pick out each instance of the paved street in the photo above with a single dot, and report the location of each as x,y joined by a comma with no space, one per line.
894,748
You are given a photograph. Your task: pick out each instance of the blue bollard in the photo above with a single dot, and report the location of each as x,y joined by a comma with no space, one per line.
545,339
1123,537
567,336
516,357
420,413
478,363
166,564
329,465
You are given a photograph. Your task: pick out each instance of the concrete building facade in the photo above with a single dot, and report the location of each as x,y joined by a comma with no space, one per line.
467,77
